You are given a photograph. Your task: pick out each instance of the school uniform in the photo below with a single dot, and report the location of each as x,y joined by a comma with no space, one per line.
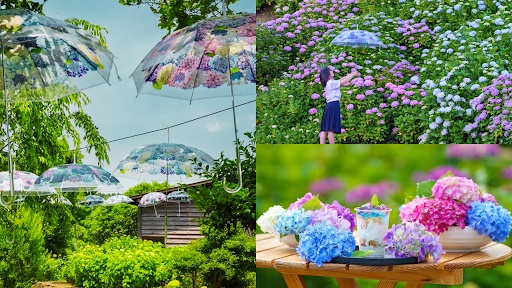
331,120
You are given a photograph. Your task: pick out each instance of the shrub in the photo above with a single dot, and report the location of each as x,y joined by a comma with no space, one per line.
120,262
112,221
23,259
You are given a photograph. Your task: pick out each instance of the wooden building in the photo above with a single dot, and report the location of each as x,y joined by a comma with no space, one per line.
182,220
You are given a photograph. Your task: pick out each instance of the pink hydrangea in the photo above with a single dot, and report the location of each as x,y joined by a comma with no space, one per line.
457,188
406,211
436,214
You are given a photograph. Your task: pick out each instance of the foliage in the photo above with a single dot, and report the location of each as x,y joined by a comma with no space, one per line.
112,221
225,211
146,187
36,6
120,262
229,262
96,30
188,265
450,53
179,14
22,259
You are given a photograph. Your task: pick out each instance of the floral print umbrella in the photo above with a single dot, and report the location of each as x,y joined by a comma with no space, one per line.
212,58
23,182
44,59
149,162
117,199
215,57
357,38
92,201
152,199
77,178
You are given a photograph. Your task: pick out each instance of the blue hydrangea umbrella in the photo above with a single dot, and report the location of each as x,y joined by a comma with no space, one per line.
117,199
357,38
43,59
92,201
178,197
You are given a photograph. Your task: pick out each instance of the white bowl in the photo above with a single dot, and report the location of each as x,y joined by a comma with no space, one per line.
462,240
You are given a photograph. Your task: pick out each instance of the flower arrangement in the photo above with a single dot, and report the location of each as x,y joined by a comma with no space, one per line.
463,204
412,240
324,230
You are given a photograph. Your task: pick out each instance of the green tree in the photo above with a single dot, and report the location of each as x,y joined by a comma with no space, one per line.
176,14
106,222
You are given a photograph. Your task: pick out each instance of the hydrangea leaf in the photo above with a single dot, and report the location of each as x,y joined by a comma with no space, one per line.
157,85
362,253
297,237
313,204
425,188
375,200
448,174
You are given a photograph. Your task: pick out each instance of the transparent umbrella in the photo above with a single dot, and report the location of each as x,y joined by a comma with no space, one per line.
152,199
357,38
117,199
215,57
43,59
23,184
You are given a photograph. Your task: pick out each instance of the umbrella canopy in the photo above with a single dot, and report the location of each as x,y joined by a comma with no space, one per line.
45,59
92,201
357,38
52,56
215,57
77,177
117,199
155,162
151,199
23,182
178,196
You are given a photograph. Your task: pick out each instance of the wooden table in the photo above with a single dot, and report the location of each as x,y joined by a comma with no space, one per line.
270,253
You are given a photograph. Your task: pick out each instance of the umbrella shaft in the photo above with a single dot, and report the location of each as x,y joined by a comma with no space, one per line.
11,175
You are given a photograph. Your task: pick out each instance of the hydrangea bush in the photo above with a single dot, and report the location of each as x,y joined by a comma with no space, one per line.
444,77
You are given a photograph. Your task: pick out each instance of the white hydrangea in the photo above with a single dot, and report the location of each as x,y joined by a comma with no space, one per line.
267,220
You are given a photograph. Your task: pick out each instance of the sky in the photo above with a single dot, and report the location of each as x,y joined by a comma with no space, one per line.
117,112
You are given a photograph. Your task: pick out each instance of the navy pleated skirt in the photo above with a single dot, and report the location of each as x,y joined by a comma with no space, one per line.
331,120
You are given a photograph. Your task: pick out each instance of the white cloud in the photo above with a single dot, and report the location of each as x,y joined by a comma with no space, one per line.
214,127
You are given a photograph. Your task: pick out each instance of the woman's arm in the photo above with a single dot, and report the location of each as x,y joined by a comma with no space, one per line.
348,77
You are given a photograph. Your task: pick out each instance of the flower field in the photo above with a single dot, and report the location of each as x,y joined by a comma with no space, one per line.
443,78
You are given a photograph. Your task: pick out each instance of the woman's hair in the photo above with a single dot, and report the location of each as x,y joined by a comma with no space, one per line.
325,73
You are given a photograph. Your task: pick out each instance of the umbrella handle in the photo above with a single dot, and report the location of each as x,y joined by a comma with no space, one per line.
10,240
239,186
156,214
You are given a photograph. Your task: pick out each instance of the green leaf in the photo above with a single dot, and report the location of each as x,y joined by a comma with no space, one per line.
36,50
297,237
448,174
375,200
157,85
209,54
361,253
220,28
313,204
68,62
100,66
234,70
425,188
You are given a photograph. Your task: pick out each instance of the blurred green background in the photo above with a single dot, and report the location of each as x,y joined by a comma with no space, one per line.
287,172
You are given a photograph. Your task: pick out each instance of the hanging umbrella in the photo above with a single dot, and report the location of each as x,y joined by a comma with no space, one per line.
178,197
77,178
156,162
357,38
117,199
212,58
23,182
92,201
152,199
45,59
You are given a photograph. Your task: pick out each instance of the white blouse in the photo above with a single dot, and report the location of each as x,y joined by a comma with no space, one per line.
332,90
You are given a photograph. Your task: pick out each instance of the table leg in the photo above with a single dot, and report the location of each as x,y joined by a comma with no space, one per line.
414,285
293,280
386,284
346,283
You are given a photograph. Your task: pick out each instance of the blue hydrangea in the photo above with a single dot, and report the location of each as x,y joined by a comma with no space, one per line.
292,222
490,219
322,242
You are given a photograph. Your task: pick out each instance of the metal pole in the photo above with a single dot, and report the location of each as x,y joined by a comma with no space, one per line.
11,175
